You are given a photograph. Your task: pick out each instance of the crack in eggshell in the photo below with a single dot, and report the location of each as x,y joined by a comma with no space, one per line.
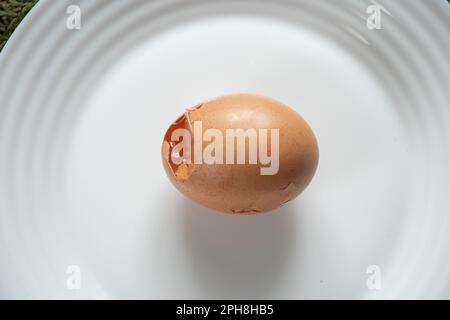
288,192
246,211
194,108
184,170
288,186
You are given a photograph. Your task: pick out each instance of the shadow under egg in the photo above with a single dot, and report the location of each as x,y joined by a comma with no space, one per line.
236,256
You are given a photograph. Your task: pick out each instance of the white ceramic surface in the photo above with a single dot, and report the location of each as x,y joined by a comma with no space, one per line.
83,113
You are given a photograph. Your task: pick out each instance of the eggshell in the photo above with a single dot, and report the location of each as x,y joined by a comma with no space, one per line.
241,188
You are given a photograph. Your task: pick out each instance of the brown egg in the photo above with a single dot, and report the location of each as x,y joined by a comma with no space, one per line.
240,154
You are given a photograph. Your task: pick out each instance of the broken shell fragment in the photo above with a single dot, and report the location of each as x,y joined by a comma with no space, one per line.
241,154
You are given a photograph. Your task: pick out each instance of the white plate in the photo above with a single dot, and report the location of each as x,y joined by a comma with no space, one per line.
83,113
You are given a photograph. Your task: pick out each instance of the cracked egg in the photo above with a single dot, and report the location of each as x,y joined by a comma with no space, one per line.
240,154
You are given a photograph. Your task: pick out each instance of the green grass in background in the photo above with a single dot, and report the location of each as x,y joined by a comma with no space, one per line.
11,13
